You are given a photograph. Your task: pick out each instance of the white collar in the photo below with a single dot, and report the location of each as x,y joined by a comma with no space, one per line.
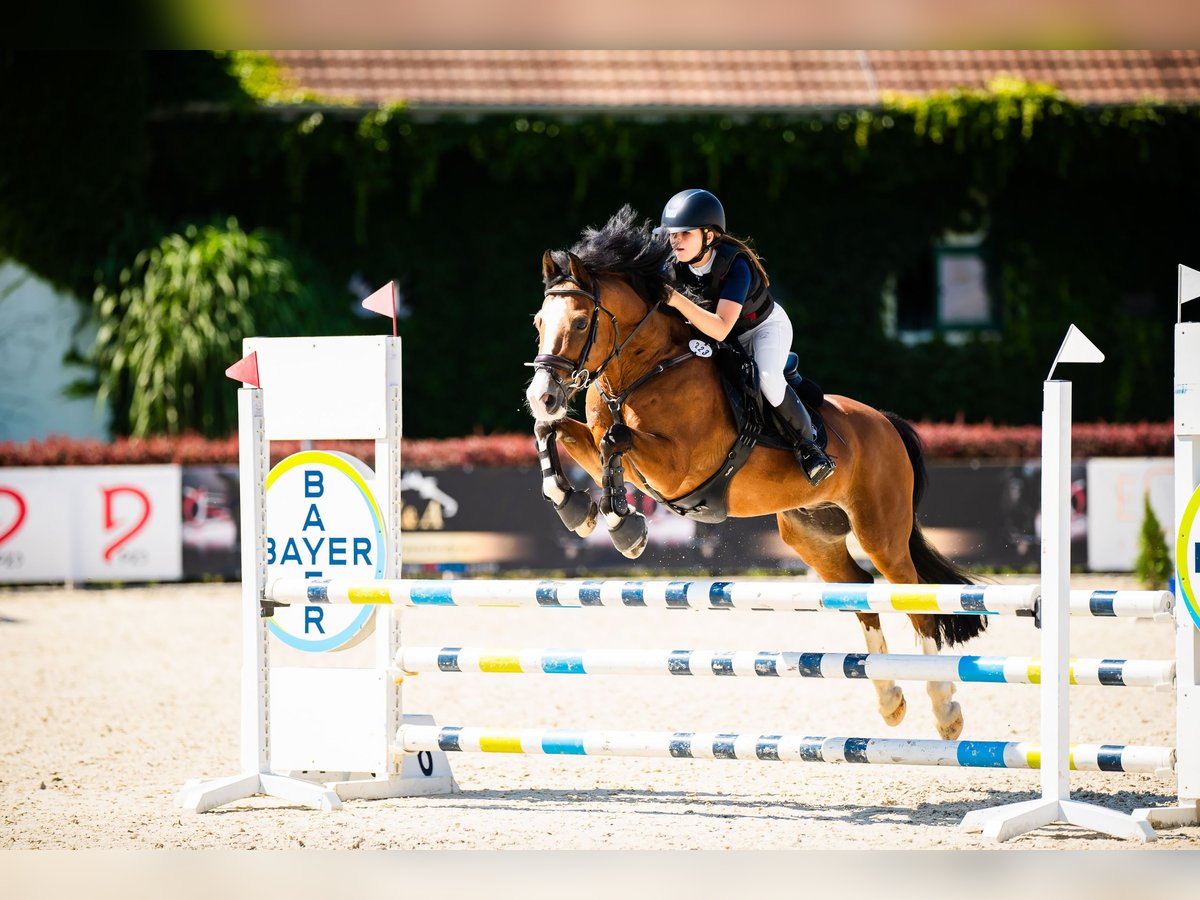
707,267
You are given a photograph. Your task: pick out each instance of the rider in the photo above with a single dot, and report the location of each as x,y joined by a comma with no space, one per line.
731,289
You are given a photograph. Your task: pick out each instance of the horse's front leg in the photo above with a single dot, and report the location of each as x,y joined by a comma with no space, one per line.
577,440
626,527
576,508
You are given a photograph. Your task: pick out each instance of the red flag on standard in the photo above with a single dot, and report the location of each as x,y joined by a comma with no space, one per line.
383,301
245,370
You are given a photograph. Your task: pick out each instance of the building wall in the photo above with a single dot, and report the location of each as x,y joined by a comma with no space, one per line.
37,327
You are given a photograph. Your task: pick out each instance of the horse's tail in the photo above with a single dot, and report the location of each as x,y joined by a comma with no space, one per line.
931,566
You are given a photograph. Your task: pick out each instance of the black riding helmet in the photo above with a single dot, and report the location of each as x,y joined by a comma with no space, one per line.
693,208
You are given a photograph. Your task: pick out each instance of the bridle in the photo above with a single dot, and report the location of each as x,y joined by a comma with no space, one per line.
571,375
617,439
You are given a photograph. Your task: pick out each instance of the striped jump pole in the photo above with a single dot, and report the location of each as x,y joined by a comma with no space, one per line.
960,599
773,664
778,748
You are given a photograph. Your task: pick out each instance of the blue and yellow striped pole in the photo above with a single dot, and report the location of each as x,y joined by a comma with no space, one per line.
778,748
1019,600
773,664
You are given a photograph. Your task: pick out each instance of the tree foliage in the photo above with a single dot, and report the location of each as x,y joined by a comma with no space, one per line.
1154,565
176,321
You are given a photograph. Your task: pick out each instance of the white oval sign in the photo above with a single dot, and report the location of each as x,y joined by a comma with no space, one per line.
700,348
1187,557
323,522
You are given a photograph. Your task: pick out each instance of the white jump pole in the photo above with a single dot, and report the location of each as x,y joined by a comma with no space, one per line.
1055,805
1187,635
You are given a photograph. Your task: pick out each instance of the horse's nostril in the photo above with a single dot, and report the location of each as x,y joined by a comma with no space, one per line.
549,402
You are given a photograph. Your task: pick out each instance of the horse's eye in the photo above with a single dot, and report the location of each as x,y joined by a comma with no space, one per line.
579,324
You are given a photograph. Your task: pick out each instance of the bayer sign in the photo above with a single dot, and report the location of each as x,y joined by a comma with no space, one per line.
323,522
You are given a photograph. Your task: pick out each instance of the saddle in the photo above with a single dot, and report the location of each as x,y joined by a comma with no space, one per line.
739,378
755,421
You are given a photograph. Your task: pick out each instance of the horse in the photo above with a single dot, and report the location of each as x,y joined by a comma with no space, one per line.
603,327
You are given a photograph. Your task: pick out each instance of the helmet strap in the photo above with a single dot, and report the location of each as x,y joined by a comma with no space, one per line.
705,246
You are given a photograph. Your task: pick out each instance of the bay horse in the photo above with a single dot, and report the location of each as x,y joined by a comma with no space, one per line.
603,327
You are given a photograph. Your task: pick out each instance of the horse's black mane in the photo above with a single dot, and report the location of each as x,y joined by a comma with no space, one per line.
624,247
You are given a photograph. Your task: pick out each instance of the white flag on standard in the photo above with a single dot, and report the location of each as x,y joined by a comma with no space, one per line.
1076,348
1189,284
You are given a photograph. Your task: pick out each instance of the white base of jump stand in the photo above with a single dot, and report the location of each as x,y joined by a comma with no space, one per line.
1004,822
421,775
320,790
1187,813
411,782
201,795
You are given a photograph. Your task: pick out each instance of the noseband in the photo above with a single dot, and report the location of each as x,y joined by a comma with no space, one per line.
575,374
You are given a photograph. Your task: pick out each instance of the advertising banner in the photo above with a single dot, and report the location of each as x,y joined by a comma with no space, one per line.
126,522
35,525
141,523
495,519
212,521
989,514
1119,489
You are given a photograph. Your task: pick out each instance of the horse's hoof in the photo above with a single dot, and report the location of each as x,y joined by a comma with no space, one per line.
895,715
637,549
951,727
578,512
589,524
629,536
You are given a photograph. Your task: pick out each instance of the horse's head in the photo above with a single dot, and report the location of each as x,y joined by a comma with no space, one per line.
580,333
571,346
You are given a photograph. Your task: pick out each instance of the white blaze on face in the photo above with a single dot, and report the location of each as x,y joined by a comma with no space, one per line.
554,323
541,385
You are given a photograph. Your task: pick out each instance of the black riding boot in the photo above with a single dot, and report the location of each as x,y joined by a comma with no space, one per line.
815,462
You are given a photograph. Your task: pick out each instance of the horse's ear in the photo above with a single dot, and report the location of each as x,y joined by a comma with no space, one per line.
579,272
549,266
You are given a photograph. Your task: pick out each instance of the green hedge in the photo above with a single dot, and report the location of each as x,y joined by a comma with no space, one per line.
942,442
1086,212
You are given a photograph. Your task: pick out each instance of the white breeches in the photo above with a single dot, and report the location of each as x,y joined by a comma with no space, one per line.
769,342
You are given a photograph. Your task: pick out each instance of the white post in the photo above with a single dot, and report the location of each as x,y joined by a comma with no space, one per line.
1187,636
201,795
1055,805
1056,586
253,462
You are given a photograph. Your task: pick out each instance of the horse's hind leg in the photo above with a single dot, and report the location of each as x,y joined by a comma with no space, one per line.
946,710
819,536
892,705
891,557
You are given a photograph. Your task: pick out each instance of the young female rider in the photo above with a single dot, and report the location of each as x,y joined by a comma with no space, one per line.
730,288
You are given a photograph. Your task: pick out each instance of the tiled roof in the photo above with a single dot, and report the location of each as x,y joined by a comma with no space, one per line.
1086,76
726,79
